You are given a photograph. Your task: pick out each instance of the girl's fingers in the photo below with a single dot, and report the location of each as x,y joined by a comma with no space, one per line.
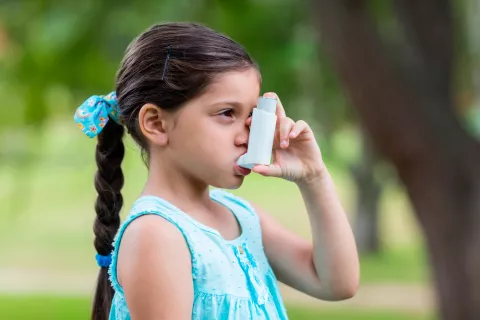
298,128
272,170
286,125
280,111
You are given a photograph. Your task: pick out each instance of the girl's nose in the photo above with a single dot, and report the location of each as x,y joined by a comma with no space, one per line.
242,137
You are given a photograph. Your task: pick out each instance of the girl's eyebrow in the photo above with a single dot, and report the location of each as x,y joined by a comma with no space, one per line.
234,104
231,103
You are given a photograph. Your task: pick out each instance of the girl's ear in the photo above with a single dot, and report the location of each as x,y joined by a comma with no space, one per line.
153,124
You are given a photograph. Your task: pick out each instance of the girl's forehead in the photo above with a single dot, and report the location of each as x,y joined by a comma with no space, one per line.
237,86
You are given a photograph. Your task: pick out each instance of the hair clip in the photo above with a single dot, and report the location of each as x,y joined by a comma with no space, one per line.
166,62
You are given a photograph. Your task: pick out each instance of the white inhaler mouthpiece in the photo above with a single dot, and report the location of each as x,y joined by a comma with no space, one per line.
262,131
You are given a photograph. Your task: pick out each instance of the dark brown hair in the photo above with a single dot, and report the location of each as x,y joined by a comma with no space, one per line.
196,54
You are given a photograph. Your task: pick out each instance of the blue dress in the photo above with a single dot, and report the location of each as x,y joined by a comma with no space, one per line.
232,279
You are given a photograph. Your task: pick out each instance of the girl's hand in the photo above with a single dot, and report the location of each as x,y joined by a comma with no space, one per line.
296,155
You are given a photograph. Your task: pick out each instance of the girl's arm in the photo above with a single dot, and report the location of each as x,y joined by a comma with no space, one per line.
154,270
328,269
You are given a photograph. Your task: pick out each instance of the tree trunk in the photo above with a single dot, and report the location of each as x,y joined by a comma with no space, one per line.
368,195
405,103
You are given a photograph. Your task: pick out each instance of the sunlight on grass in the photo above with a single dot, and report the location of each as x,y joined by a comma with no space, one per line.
73,308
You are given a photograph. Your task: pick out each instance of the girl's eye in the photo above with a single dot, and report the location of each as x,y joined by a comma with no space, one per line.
227,113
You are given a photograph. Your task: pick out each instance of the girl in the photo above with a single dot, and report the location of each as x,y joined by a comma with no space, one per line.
185,94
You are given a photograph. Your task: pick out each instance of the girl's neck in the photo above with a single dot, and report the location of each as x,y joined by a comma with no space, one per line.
183,191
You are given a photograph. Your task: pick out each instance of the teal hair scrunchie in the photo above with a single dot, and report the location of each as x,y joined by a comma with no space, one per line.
92,116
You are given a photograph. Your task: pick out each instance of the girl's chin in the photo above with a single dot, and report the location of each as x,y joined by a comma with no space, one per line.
231,184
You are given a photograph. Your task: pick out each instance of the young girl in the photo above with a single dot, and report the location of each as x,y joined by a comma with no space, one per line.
185,94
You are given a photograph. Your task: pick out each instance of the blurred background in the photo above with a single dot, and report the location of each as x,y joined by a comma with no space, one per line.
391,88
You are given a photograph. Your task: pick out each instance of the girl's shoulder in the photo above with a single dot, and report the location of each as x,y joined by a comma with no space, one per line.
150,227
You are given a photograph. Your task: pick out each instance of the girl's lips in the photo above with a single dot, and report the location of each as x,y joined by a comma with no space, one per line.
242,171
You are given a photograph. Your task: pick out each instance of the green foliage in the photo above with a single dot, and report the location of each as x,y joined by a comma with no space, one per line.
59,53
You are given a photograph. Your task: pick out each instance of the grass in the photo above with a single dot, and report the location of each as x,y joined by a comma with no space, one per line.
399,265
73,308
51,214
296,313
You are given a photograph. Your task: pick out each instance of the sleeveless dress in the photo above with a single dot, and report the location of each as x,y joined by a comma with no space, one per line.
232,279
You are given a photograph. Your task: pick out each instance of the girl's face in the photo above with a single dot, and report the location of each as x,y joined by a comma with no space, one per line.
210,132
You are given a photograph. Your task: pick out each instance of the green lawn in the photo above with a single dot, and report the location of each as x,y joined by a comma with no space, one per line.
399,265
51,214
73,308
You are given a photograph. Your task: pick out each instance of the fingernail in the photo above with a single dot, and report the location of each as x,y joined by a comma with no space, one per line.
269,95
284,143
293,134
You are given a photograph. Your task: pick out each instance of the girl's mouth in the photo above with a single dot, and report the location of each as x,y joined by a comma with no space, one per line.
242,171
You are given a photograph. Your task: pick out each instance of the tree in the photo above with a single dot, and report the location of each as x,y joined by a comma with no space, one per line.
404,96
368,189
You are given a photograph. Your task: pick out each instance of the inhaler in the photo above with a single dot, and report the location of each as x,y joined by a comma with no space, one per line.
262,131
